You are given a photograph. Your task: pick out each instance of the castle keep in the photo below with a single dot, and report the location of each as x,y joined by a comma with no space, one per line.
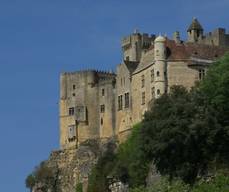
100,105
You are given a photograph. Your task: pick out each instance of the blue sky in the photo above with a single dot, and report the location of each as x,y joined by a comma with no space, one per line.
41,38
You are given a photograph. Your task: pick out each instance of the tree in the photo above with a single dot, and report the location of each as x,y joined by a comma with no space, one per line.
30,181
44,175
216,89
179,135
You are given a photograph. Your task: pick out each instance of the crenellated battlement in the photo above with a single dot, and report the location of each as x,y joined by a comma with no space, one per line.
98,104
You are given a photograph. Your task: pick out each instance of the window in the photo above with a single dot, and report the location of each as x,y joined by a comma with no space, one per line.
120,102
143,80
71,133
103,92
102,108
153,92
152,75
143,98
127,100
201,74
158,73
101,121
73,94
158,92
73,87
71,111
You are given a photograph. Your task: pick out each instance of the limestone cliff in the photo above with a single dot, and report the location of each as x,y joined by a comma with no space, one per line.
70,167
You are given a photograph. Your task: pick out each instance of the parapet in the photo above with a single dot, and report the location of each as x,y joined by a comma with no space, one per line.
137,37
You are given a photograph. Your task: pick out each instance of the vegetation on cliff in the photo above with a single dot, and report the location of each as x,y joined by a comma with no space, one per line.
185,135
43,176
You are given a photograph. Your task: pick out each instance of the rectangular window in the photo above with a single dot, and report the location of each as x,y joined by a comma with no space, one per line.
71,111
120,102
103,92
143,80
127,100
102,108
143,98
71,133
73,87
152,75
201,74
152,92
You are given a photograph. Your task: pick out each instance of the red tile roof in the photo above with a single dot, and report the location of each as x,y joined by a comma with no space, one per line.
183,51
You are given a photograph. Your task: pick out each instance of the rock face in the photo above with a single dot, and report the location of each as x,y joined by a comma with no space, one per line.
70,167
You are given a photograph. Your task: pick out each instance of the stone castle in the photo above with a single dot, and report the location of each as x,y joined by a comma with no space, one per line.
101,105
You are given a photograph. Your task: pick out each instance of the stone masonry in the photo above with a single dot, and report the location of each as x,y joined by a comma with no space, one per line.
101,105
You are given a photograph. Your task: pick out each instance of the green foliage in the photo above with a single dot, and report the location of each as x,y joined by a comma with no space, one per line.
128,165
79,187
30,181
185,134
132,166
179,135
220,183
43,175
216,88
98,177
139,189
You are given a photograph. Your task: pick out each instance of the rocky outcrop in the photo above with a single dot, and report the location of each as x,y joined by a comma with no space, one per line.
70,167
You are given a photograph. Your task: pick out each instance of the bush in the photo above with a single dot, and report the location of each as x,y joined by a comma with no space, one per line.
42,175
79,187
132,165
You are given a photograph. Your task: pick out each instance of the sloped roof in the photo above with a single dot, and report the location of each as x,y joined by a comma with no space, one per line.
189,52
185,51
131,65
195,25
146,61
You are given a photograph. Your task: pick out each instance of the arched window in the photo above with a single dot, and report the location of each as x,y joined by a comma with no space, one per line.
158,91
158,73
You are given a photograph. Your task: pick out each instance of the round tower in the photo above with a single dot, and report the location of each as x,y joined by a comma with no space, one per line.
160,66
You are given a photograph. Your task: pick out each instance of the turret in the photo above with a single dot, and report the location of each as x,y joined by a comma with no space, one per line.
195,31
160,66
135,44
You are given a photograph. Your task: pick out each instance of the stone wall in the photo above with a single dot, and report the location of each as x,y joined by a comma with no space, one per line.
80,107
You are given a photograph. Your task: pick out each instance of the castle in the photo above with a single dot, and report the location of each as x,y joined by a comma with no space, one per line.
100,105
